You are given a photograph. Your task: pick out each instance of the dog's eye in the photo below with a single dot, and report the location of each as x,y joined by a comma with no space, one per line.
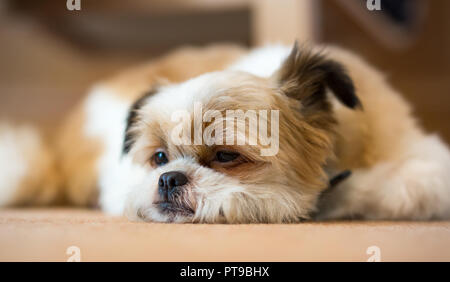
160,158
226,156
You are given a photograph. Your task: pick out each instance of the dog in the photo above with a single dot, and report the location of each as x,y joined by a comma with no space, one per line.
343,143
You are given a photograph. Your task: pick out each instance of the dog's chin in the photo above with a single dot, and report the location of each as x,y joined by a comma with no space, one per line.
173,209
165,212
158,211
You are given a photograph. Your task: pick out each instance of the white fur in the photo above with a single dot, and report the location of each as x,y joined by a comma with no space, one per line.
263,61
106,117
199,89
15,144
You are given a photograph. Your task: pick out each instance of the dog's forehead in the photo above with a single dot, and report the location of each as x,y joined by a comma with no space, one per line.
203,89
175,108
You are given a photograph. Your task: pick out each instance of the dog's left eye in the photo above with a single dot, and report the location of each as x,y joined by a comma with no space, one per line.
226,156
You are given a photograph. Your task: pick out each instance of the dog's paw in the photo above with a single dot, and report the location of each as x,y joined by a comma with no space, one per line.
415,186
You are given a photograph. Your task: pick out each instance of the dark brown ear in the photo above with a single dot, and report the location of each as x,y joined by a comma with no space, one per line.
305,76
132,119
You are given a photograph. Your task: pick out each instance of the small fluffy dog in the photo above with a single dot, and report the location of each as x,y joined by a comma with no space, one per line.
333,113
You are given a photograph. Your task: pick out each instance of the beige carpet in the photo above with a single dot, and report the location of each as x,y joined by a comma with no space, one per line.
46,234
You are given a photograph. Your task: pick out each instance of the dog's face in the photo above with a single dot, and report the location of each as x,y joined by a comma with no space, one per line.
203,167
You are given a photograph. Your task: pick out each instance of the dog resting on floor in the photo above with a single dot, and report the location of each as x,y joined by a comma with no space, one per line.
157,143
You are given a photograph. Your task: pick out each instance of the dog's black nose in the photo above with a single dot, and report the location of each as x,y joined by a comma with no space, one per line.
170,181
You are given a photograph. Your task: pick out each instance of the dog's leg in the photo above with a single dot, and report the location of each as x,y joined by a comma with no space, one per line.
414,185
27,168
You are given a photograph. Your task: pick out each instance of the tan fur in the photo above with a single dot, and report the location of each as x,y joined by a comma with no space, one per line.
78,163
379,131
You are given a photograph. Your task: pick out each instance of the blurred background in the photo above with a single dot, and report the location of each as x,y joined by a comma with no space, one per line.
49,55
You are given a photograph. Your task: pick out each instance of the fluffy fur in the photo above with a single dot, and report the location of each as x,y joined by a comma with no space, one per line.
336,113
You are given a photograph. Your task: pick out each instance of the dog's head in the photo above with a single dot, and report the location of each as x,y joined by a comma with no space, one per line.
232,147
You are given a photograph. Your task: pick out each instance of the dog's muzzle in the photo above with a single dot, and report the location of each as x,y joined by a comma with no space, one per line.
171,189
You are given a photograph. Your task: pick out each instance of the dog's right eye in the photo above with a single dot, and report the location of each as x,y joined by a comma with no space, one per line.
160,158
226,156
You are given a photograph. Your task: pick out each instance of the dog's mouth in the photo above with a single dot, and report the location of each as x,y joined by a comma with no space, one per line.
173,208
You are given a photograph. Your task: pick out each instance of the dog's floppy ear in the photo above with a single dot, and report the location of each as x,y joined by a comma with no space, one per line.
305,75
132,119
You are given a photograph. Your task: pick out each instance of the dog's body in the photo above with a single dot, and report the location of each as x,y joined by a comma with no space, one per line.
398,172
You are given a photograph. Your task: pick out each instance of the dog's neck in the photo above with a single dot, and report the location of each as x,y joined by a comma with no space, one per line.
333,182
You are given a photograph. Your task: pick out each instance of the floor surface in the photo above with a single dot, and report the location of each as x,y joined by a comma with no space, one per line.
47,234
